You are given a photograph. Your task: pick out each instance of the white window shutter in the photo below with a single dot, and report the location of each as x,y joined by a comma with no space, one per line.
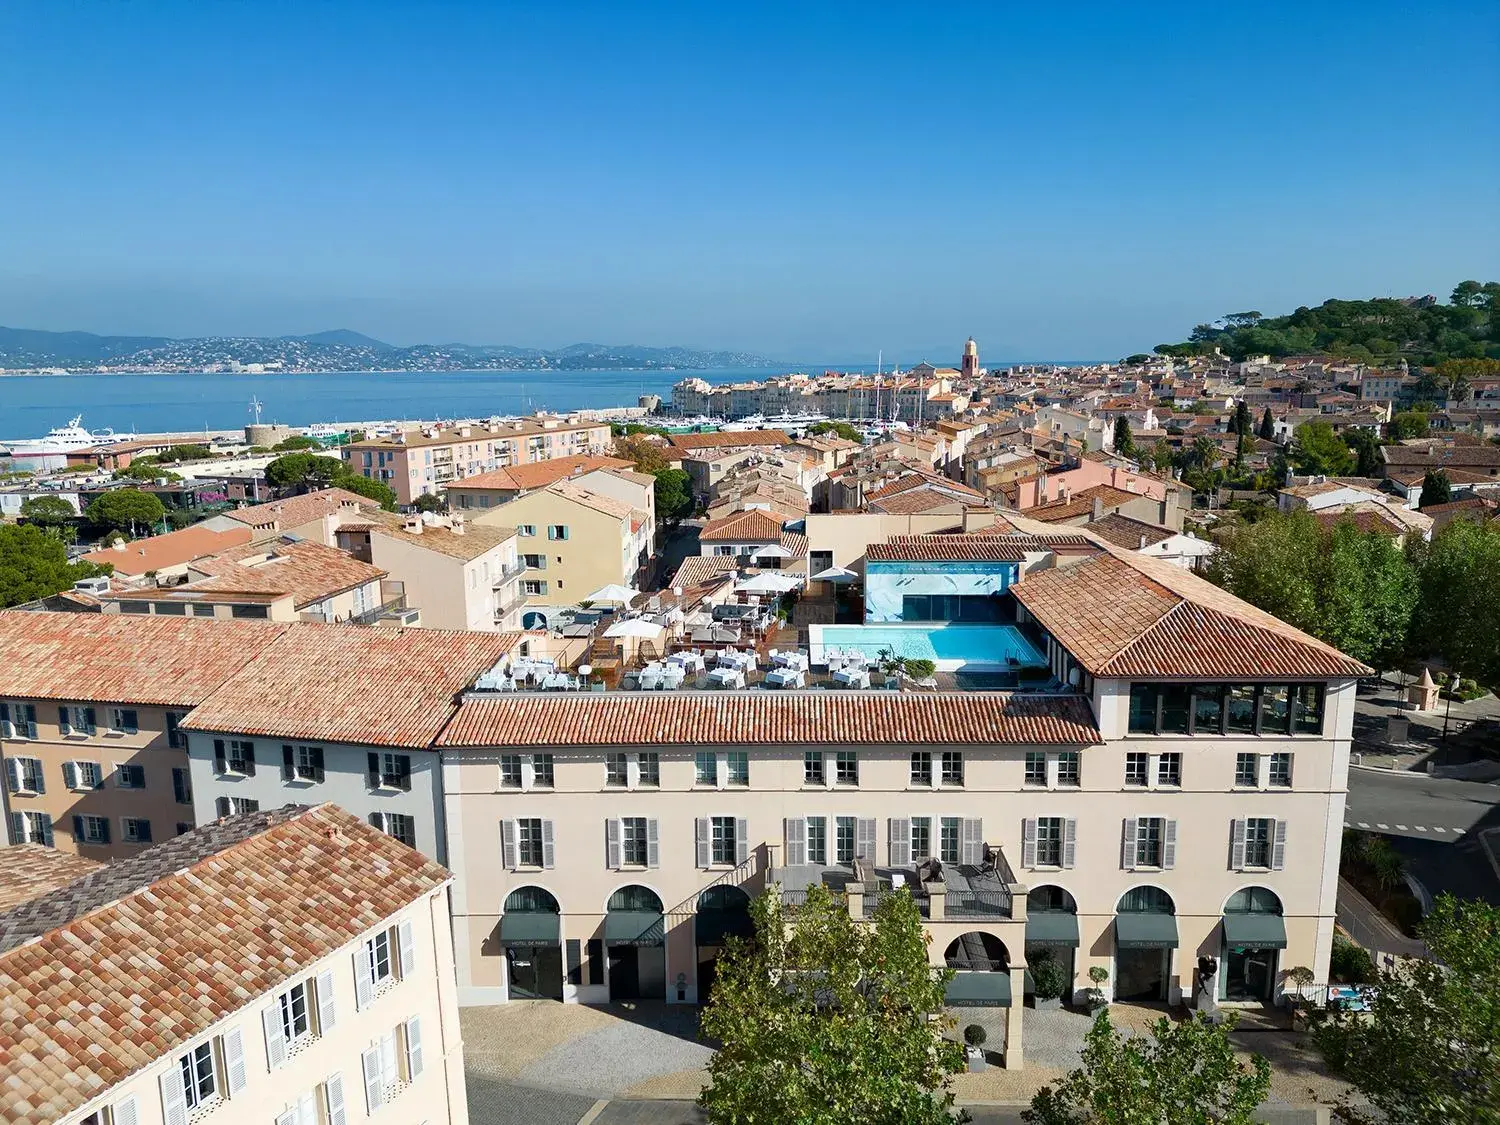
1278,846
796,841
388,1073
864,838
653,843
307,1109
173,1096
70,775
1169,845
270,1018
327,1009
364,980
1070,843
287,1118
549,848
612,850
127,1112
374,1091
508,844
413,1047
234,1061
900,829
407,947
1127,844
741,840
701,836
972,847
1028,842
1236,845
333,1099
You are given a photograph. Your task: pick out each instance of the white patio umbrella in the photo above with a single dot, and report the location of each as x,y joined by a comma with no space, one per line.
774,551
614,594
835,574
634,627
768,582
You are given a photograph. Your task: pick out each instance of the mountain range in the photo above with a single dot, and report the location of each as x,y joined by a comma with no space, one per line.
336,350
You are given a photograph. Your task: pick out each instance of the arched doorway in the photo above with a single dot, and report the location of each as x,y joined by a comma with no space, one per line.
1145,936
530,934
977,951
635,944
1254,936
533,619
1051,934
723,912
982,979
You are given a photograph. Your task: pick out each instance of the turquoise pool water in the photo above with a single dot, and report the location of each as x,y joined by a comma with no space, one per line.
950,647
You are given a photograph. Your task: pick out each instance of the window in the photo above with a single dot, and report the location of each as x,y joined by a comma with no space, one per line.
234,756
812,768
1036,768
81,776
1239,709
542,776
1275,709
1169,770
1208,709
398,826
510,771
90,830
843,844
557,531
24,775
200,1080
1049,841
650,768
124,720
75,720
921,768
1307,703
1281,771
1148,841
234,806
1245,770
1176,704
633,851
130,777
706,765
390,771
135,830
31,828
1258,833
291,1009
1069,769
184,827
535,562
921,838
953,767
529,842
817,839
616,770
396,1058
722,840
537,589
1136,766
526,530
18,720
846,767
182,785
301,763
949,831
739,767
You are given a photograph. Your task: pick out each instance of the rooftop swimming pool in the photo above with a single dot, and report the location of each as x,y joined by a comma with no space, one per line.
950,647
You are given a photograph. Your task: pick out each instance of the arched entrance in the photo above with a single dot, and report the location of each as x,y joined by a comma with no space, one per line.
635,943
1051,934
723,912
533,619
530,934
1254,936
977,951
982,979
1145,935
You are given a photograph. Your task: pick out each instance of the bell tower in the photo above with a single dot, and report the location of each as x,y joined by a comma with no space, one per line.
970,366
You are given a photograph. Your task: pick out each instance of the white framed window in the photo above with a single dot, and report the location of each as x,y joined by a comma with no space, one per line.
398,826
1036,768
1259,832
129,776
75,721
235,756
392,1063
817,839
737,768
1049,841
526,842
200,1078
953,768
534,588
31,828
557,531
724,840
510,771
389,771
1169,770
135,830
1137,769
921,838
844,838
920,774
124,720
1069,769
1245,771
301,763
812,768
384,958
633,841
1279,774
950,839
542,771
1149,842
17,720
529,841
526,530
616,770
846,767
234,806
24,776
1258,843
294,1013
649,767
91,829
706,768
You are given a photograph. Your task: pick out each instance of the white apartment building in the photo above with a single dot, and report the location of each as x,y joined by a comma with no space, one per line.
298,967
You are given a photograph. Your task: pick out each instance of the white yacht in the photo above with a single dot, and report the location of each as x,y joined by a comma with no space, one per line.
63,439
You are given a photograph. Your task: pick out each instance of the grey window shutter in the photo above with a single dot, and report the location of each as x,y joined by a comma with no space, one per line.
17,828
1169,846
1236,845
406,949
1278,847
173,1097
701,834
1127,844
127,1112
333,1094
78,830
270,1018
972,848
796,841
364,980
653,843
1028,842
508,844
66,727
900,829
864,838
46,825
13,774
549,850
741,840
413,1047
327,1008
89,723
1070,843
234,1060
288,763
612,857
220,764
70,775
374,1091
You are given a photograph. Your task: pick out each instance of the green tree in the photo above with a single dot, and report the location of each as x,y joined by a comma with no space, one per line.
1136,360
830,1021
34,564
426,502
1267,426
127,509
48,511
1124,440
674,495
1366,447
643,451
1408,424
1317,450
1241,423
1458,612
296,442
304,470
837,429
1436,488
1186,1074
1429,1051
378,491
147,470
1161,455
1205,452
175,453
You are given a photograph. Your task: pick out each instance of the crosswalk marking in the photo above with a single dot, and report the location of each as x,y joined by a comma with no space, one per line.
1383,827
1364,824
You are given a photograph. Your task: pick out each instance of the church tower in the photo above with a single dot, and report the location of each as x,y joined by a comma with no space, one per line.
970,366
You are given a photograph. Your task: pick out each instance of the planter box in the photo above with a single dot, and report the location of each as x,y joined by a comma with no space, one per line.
975,1058
1047,1005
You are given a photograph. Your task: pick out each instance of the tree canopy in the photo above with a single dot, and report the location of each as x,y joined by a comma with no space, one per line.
1316,449
1458,612
837,429
642,451
382,493
127,509
1124,439
828,1021
304,470
674,494
296,442
1436,488
34,564
48,511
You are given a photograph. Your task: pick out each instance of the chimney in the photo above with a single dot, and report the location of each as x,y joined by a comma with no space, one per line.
456,525
412,525
1142,547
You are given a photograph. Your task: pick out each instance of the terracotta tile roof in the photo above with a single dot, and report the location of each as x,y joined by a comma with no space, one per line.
1125,614
1081,503
539,474
172,549
1366,517
687,443
113,658
754,525
30,870
696,570
1123,531
795,543
924,498
354,684
770,718
309,571
295,511
589,499
107,975
1435,455
988,547
477,538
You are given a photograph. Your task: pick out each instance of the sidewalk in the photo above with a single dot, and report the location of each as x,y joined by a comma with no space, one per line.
1469,727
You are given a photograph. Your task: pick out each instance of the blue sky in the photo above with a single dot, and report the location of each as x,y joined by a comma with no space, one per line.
809,181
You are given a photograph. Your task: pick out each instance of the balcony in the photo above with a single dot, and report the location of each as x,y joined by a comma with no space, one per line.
510,572
942,891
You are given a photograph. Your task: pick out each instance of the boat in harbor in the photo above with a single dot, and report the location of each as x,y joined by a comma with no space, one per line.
60,440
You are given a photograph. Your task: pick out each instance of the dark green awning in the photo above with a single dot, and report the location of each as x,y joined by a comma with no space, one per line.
713,926
1145,931
978,990
529,929
633,927
1255,931
1051,928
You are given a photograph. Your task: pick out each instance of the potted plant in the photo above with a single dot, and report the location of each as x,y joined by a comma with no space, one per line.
1094,998
1294,981
974,1036
1049,980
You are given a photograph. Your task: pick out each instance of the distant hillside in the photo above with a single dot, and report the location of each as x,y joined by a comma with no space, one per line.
336,350
1419,330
